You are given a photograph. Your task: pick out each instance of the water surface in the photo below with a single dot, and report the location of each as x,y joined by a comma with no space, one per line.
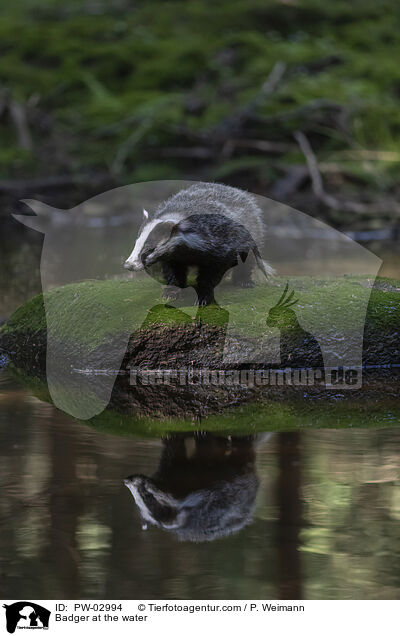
325,522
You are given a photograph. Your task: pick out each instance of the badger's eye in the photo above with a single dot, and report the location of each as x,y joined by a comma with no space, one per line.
146,253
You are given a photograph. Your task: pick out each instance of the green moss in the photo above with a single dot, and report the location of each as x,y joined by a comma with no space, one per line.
88,312
115,303
249,420
94,312
30,317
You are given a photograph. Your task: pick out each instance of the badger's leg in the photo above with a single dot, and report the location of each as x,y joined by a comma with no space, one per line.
207,279
241,275
175,275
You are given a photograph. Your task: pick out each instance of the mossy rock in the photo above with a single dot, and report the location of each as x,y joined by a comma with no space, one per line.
376,405
92,318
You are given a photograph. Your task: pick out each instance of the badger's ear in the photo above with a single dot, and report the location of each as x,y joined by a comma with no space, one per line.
38,222
145,215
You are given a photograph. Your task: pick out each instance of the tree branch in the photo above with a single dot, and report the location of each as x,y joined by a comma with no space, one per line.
18,115
316,179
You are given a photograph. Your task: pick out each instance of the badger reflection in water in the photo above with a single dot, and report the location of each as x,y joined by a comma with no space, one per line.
205,486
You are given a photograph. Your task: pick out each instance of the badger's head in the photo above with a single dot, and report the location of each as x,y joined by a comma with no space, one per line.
154,235
155,506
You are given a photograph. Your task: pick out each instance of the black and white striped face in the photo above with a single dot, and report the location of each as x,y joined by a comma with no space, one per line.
155,506
153,234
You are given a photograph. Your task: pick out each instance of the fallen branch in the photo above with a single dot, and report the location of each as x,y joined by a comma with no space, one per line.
369,155
303,110
273,79
292,180
128,145
317,183
262,145
235,121
195,152
18,116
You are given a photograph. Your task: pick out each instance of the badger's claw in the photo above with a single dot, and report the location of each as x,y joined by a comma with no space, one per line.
170,292
203,301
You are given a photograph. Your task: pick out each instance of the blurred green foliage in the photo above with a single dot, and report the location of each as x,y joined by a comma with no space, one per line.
135,89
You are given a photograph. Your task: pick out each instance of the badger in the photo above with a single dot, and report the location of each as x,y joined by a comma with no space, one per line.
209,228
204,488
203,515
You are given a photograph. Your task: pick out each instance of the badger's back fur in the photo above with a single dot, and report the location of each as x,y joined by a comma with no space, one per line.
210,226
214,198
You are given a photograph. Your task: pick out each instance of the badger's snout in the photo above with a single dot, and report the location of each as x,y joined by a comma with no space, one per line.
136,263
133,266
155,505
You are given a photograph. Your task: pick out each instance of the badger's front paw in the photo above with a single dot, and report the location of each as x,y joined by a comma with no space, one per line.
170,292
203,300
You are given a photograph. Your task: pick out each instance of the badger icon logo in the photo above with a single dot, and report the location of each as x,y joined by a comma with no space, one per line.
75,242
26,615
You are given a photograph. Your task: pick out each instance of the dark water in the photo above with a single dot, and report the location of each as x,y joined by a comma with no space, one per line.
325,523
315,513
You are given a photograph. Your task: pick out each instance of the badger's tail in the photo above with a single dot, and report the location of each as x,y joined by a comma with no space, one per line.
265,267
